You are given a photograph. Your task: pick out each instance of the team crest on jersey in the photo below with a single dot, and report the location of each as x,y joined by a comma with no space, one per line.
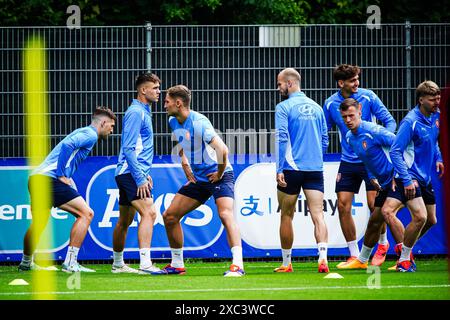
437,123
187,135
364,144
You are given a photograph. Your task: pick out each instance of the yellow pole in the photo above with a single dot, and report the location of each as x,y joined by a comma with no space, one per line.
36,110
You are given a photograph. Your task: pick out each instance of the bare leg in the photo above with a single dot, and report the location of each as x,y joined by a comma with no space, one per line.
180,206
126,217
345,200
314,200
431,219
287,204
84,215
371,195
147,211
419,217
374,228
34,232
389,211
225,208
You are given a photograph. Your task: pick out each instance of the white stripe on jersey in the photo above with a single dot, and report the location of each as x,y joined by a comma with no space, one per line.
408,155
124,167
139,146
50,167
289,157
71,157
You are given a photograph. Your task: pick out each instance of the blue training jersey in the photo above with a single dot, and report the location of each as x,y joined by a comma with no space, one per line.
136,151
371,143
301,133
415,150
64,159
194,135
372,109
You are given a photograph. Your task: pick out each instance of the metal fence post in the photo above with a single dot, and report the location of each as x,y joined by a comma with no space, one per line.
408,63
148,27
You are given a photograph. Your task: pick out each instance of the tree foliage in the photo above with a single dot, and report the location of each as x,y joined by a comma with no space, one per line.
138,12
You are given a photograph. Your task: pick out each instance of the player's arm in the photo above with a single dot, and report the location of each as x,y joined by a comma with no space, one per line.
132,123
327,112
384,137
401,141
222,157
186,166
381,113
325,140
282,138
68,146
373,179
438,160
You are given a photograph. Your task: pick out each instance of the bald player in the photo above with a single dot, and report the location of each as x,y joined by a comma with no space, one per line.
301,132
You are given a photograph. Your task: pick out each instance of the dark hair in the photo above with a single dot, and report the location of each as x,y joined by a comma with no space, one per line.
345,72
146,77
347,103
103,111
182,92
427,88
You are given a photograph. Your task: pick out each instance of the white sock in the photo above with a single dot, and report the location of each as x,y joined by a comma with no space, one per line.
118,259
27,260
71,256
177,258
323,248
237,256
365,253
287,255
383,238
405,253
144,255
353,247
399,244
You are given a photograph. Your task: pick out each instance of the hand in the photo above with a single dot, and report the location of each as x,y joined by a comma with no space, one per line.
150,182
393,185
440,168
214,177
188,172
376,184
280,180
143,191
410,191
65,180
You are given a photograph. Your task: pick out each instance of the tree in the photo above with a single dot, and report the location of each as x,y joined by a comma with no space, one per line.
138,12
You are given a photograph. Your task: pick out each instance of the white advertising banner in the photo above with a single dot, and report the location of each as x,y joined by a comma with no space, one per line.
258,214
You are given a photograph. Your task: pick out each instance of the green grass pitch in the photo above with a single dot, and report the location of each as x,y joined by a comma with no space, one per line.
204,281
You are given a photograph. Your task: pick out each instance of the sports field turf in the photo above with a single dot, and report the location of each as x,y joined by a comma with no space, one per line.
204,281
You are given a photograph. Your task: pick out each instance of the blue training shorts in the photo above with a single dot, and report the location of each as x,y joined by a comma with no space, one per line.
127,189
61,192
350,177
424,191
309,180
202,191
381,198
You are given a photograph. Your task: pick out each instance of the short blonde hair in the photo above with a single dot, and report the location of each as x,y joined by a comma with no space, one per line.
182,92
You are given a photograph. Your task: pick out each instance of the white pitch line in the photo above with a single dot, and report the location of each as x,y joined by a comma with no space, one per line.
222,290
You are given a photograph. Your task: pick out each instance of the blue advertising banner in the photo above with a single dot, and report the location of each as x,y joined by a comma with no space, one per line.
256,211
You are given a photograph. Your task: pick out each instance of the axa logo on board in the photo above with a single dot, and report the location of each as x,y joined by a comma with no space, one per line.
102,195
